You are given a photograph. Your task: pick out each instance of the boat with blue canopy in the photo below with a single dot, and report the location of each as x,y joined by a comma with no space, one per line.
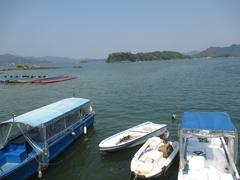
30,141
208,147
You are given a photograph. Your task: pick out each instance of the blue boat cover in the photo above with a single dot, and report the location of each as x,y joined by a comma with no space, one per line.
46,114
215,121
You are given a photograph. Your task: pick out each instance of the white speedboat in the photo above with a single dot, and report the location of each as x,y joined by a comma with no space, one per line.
133,136
153,158
208,147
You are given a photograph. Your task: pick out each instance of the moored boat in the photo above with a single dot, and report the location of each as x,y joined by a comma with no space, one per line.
39,79
29,141
153,158
132,136
208,147
53,79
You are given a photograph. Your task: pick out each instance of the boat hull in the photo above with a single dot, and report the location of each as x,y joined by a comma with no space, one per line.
136,142
149,162
30,167
158,175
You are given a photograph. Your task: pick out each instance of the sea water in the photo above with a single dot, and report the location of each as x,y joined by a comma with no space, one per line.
124,95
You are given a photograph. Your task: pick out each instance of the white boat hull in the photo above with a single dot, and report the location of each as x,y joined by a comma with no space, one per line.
112,143
149,161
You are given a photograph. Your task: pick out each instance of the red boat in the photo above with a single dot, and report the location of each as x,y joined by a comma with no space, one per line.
52,79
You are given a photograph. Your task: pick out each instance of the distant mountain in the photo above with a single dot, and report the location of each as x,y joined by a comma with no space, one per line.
12,60
56,60
190,53
230,51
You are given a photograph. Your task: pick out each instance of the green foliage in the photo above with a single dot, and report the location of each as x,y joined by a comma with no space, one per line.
149,56
22,66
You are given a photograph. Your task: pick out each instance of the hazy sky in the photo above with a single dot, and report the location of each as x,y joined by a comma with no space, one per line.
93,29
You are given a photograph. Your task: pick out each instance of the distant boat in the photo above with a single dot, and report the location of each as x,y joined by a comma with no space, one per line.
21,78
39,79
208,147
153,158
29,141
53,79
132,137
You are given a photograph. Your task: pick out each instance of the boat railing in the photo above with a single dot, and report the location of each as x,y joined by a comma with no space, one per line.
230,160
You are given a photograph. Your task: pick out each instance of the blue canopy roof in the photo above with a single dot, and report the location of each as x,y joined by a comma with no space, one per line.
215,121
48,113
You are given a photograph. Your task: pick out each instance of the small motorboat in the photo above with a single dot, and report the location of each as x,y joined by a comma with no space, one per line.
133,136
153,158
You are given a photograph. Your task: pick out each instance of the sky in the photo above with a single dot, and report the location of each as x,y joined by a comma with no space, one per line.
95,28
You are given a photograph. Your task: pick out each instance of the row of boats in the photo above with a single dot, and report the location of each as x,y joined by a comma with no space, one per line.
37,79
207,146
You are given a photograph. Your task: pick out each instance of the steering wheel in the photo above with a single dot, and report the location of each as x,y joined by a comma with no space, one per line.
198,153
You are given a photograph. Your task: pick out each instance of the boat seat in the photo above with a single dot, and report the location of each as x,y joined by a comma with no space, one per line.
196,151
17,153
148,129
145,167
154,145
166,149
156,155
196,162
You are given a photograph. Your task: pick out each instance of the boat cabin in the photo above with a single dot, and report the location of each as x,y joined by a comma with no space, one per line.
208,147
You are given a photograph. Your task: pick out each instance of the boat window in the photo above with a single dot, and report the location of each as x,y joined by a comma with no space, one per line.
86,110
4,134
72,117
80,113
55,128
10,131
36,135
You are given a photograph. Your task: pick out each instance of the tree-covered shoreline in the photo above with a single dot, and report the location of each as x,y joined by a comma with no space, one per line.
148,56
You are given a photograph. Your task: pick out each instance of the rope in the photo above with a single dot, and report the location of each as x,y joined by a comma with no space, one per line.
135,177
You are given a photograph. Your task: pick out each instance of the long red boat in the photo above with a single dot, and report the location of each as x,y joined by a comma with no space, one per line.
53,79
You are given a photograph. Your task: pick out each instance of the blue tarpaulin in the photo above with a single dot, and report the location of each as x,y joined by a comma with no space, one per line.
215,121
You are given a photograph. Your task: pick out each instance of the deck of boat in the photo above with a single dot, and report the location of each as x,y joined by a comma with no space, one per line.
207,159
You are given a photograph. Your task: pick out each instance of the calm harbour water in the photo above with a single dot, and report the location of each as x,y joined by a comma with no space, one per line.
124,95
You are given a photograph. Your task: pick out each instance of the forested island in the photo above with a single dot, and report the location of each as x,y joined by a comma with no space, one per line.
148,56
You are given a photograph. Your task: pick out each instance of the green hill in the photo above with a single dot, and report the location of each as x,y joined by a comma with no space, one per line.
149,56
230,51
8,59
